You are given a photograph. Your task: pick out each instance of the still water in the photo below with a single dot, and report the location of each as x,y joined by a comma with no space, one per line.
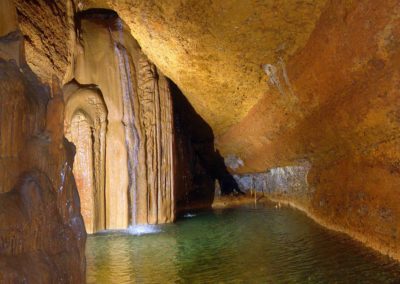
240,245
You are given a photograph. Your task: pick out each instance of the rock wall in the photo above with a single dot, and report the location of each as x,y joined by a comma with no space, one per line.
42,234
342,117
93,51
117,110
48,30
156,193
290,181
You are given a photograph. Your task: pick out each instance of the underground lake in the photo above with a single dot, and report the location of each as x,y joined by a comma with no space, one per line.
146,141
235,245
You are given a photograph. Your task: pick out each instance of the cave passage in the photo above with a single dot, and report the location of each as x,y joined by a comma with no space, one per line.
185,141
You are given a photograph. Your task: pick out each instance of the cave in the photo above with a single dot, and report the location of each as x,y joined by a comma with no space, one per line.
184,141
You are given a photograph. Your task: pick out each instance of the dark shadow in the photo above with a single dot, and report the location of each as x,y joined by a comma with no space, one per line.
98,13
100,16
226,181
198,165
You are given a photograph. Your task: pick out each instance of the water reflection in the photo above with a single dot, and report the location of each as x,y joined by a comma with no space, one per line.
242,245
123,258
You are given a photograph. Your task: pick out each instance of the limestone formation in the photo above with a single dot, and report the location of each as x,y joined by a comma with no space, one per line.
86,126
157,140
291,180
136,125
279,82
329,94
48,30
342,118
42,234
120,122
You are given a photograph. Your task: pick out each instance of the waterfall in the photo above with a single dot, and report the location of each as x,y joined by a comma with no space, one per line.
131,133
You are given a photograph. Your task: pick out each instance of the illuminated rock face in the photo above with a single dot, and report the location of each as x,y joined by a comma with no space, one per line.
342,118
42,236
84,172
85,125
214,50
48,28
123,131
116,108
281,82
290,181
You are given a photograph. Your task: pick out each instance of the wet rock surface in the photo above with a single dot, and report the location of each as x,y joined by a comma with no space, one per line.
341,118
289,180
136,153
42,234
276,82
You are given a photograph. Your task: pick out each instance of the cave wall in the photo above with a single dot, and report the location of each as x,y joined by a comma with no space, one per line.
94,49
38,197
114,99
49,33
283,84
341,118
115,107
317,87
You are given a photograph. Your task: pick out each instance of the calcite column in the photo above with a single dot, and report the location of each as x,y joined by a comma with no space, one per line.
85,126
139,141
97,63
156,203
81,136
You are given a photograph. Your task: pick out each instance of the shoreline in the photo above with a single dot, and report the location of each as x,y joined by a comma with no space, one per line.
233,201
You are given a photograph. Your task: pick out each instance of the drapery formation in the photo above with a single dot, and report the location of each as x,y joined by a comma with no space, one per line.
119,116
85,125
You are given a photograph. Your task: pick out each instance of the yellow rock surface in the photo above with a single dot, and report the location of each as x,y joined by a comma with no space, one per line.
214,50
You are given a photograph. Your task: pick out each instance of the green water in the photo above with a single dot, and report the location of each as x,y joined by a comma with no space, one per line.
241,245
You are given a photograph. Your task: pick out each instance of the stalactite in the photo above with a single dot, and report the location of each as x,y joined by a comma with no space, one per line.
156,108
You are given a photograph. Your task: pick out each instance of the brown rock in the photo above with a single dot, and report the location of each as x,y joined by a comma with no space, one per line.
42,236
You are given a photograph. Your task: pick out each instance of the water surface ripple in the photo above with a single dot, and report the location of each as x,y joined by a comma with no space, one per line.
241,245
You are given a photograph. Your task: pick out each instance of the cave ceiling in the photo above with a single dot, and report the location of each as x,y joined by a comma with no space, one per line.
214,50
